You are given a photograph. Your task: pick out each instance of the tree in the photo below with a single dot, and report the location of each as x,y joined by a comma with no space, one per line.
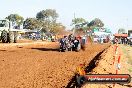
79,25
48,14
57,28
48,17
32,23
78,21
95,23
121,31
15,19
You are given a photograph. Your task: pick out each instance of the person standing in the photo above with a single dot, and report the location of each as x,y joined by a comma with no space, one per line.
83,40
116,40
121,40
125,40
130,41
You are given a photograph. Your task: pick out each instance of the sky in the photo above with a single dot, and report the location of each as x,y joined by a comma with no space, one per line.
115,14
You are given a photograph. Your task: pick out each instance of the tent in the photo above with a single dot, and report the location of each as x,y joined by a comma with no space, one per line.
121,35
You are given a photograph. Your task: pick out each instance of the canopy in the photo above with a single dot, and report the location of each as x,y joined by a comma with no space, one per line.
121,35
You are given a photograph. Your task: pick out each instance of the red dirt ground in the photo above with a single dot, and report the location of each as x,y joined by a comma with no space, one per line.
39,64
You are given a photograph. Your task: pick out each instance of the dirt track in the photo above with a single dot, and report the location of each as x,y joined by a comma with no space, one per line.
37,65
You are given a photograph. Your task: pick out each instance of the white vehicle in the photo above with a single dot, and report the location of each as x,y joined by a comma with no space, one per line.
7,33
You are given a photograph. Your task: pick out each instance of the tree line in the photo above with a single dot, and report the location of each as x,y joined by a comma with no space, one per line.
85,25
45,20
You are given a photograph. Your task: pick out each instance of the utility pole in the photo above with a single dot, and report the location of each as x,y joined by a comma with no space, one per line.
74,25
127,25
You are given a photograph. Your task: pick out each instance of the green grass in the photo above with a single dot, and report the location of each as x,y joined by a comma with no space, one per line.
130,69
130,61
127,55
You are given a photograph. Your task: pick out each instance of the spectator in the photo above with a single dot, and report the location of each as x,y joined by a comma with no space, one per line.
83,40
125,40
130,41
116,40
122,40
